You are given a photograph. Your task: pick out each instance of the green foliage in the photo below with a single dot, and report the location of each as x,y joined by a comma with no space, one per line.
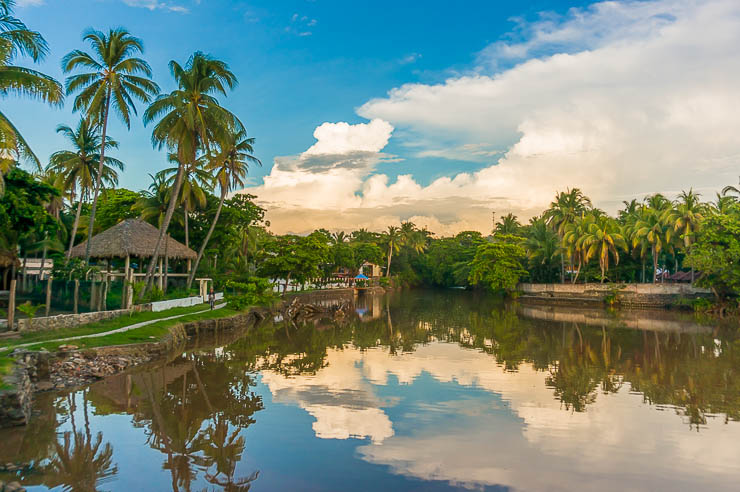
29,309
23,210
256,291
114,206
499,265
295,257
716,253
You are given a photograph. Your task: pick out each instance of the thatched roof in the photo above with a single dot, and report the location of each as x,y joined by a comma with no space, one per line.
132,237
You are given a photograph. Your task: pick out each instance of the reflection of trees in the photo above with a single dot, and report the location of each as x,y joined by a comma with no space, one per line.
78,462
81,466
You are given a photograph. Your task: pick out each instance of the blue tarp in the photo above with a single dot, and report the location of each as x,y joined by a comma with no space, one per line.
361,277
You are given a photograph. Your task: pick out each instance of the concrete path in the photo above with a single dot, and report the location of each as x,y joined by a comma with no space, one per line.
111,332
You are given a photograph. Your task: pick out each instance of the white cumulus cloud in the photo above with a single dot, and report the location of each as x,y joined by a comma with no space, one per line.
621,99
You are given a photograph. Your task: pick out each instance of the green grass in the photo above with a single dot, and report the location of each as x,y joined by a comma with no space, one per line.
145,334
6,367
103,326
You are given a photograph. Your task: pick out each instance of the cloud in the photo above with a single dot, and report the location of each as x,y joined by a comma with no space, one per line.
500,425
157,5
621,99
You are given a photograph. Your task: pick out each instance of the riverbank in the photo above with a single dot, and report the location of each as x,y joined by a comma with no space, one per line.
627,295
44,365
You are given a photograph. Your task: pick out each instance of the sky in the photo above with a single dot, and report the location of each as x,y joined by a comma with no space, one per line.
370,113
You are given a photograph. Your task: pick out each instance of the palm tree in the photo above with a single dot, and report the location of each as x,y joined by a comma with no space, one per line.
603,239
115,78
564,210
393,241
573,241
16,39
542,243
686,218
509,224
722,204
652,231
190,119
196,183
731,189
78,166
230,167
339,237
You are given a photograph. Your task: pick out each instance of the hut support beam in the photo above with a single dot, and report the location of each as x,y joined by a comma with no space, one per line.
124,288
48,295
160,278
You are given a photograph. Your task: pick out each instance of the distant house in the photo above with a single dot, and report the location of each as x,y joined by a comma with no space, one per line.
371,270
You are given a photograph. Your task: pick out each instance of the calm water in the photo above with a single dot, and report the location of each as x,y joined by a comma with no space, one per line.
419,391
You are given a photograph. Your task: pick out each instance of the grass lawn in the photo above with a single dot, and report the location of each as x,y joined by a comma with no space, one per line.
147,333
6,367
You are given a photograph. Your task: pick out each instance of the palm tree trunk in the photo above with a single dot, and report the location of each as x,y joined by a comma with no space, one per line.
98,178
75,225
562,268
187,227
388,270
655,266
643,270
163,230
208,237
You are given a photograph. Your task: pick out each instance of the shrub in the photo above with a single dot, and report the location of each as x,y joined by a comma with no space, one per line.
256,291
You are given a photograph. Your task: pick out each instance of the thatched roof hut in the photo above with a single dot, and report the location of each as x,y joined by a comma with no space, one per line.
132,237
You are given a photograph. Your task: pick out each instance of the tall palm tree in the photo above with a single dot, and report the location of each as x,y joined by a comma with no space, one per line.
567,207
572,244
190,119
686,218
603,238
652,231
80,165
542,243
230,167
196,183
17,40
393,241
113,76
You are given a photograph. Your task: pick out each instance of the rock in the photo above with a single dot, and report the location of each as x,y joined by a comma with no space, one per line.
44,386
13,486
67,348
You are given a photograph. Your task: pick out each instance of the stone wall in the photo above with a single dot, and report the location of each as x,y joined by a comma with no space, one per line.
60,321
15,402
653,295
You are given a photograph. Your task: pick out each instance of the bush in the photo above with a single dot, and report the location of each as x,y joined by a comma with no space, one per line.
384,282
256,291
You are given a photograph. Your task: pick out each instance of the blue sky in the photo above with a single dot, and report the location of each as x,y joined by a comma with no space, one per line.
299,63
305,63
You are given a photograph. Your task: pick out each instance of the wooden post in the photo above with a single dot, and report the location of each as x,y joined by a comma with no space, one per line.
161,275
76,295
11,298
93,294
48,295
190,265
104,296
124,288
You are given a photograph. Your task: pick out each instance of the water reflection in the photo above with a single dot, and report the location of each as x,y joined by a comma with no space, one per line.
448,388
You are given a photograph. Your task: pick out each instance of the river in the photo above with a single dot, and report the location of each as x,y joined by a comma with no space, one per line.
414,391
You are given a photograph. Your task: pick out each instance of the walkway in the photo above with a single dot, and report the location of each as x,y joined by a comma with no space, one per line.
111,332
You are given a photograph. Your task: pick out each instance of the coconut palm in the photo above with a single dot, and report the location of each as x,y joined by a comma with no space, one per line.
651,231
731,189
190,119
196,183
230,167
567,207
80,165
509,224
112,77
541,244
393,240
17,40
686,218
604,239
573,242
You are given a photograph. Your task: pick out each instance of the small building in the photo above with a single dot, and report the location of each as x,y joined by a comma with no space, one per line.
371,270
